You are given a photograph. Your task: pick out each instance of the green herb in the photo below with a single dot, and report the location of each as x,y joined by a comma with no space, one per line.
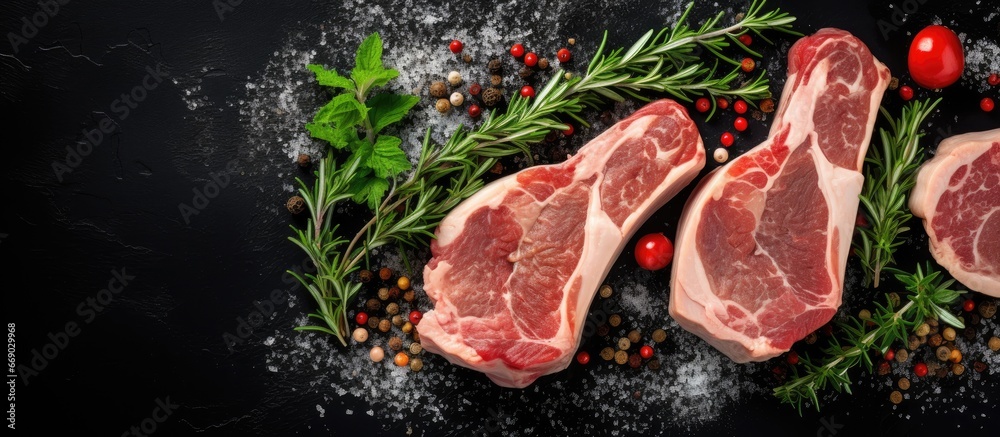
406,212
929,298
890,174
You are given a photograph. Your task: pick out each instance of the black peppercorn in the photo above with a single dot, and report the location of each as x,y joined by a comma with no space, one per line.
525,72
494,65
296,204
304,160
491,97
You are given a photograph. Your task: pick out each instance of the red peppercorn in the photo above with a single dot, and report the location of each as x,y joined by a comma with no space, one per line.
727,139
740,124
456,46
745,39
740,107
527,91
415,317
889,355
920,369
475,89
569,132
722,103
646,352
475,111
905,92
563,55
994,79
968,305
361,317
531,59
986,104
747,65
517,50
792,358
583,357
702,104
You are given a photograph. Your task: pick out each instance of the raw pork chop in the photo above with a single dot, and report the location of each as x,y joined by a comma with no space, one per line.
958,196
762,244
515,267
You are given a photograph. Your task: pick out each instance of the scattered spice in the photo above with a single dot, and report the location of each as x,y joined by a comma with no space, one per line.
659,335
607,353
634,336
634,361
747,65
905,93
884,368
988,308
385,273
955,356
395,343
454,78
398,320
531,59
401,359
942,353
621,357
935,340
525,72
384,325
296,204
517,50
949,333
492,96
409,296
361,318
615,320
624,343
494,66
543,64
720,155
957,369
606,291
416,364
416,348
727,140
740,107
986,104
994,344
442,105
896,397
603,330
467,58
304,160
767,105
438,89
979,366
583,357
373,322
920,369
360,335
376,354
415,317
383,293
407,327
922,330
646,352
392,309
456,99
893,83
564,55
366,276
456,46
654,364
902,355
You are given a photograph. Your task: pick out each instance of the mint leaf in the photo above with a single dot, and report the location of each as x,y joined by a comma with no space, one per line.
338,138
369,54
343,111
330,78
368,79
386,109
370,191
387,158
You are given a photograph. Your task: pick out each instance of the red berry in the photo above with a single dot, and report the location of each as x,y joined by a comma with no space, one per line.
727,139
968,305
740,107
415,317
531,59
475,111
569,132
361,317
527,91
920,369
702,105
905,92
740,124
654,251
455,46
994,79
583,357
792,358
986,104
747,65
563,55
746,39
722,103
517,50
646,352
475,89
889,354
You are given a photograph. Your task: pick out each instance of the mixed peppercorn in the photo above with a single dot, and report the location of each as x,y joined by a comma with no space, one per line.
385,314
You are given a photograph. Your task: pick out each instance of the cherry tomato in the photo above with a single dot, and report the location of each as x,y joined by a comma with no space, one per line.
654,251
905,92
517,50
583,357
531,59
702,105
740,107
936,59
727,139
646,352
986,104
456,46
527,91
563,55
740,124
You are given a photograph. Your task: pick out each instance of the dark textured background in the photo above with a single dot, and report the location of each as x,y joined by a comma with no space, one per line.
160,337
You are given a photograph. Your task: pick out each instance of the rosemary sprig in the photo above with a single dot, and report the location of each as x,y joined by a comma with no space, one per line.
665,62
929,298
891,173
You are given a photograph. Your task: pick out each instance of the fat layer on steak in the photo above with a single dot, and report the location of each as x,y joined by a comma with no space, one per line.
515,267
957,195
762,243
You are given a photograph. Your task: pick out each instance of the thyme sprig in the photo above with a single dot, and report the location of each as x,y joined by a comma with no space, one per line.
665,62
929,298
890,173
